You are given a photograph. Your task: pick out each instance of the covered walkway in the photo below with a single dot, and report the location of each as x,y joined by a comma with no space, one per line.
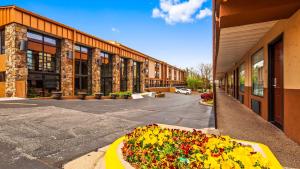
238,121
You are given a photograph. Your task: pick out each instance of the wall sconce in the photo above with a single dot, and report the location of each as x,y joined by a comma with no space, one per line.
23,45
70,55
99,62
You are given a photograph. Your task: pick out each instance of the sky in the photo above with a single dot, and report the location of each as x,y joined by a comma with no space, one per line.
176,31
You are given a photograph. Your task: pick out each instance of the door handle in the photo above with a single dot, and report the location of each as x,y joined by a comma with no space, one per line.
275,82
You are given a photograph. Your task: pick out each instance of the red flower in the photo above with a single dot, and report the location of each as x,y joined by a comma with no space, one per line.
186,148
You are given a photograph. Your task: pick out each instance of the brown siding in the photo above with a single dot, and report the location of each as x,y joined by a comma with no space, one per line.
292,113
290,28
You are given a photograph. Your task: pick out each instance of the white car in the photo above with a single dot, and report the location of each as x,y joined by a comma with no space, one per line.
183,91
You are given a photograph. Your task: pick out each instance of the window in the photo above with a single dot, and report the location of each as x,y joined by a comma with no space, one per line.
106,67
50,40
34,36
82,60
41,53
257,73
2,42
123,74
43,64
242,78
2,76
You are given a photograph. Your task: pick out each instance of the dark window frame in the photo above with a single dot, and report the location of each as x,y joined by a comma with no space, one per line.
46,78
123,74
44,69
2,41
83,76
252,71
242,69
136,77
106,72
2,76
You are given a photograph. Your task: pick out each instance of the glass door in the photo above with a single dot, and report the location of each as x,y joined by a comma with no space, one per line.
136,77
106,73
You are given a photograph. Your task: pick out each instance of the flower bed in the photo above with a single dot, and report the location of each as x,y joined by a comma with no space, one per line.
207,96
155,147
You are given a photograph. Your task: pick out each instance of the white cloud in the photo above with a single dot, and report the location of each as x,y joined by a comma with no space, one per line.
115,30
178,11
204,13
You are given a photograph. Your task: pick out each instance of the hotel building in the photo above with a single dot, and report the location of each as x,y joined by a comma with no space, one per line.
39,55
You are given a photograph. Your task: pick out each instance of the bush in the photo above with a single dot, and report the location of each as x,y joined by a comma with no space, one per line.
207,96
121,94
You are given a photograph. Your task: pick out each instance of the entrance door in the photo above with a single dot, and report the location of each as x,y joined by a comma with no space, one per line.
276,82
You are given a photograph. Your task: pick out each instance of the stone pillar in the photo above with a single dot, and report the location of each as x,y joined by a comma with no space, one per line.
130,75
142,76
16,67
96,71
67,80
116,73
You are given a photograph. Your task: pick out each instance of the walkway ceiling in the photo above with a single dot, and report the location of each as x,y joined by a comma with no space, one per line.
236,41
240,24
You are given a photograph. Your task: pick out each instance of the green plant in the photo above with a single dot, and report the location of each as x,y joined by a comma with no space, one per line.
121,94
115,93
32,93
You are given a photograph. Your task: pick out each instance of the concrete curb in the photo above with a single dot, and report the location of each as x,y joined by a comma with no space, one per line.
92,160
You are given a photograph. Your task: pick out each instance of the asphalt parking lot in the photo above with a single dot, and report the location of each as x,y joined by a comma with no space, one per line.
44,134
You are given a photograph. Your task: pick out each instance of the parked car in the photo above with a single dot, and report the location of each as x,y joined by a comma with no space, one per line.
184,91
177,89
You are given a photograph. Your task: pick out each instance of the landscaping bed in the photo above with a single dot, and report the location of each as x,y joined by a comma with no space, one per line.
156,147
207,99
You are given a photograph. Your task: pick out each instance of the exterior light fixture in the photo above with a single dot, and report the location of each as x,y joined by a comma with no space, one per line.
99,62
70,55
23,45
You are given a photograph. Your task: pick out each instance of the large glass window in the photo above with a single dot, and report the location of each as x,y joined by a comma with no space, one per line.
106,73
136,77
43,64
2,42
123,74
257,73
2,76
82,60
242,78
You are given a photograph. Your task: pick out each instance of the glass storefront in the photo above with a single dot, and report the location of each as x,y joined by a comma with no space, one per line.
82,69
43,62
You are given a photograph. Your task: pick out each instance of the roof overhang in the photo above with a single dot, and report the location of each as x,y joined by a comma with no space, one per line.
236,41
240,24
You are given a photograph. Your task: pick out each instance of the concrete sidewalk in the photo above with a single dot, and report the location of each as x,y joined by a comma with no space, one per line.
239,122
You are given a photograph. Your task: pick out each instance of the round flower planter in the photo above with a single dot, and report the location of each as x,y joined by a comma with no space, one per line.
126,96
98,95
57,95
116,157
113,96
82,95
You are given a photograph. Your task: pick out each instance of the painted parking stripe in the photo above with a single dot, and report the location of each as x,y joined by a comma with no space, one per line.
25,104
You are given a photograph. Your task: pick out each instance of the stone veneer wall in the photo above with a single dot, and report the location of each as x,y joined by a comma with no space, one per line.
16,67
129,75
142,76
96,72
67,68
116,73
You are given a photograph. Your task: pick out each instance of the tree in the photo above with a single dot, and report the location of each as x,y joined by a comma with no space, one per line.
205,72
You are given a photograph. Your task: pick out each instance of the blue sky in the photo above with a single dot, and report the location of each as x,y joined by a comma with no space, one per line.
176,31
